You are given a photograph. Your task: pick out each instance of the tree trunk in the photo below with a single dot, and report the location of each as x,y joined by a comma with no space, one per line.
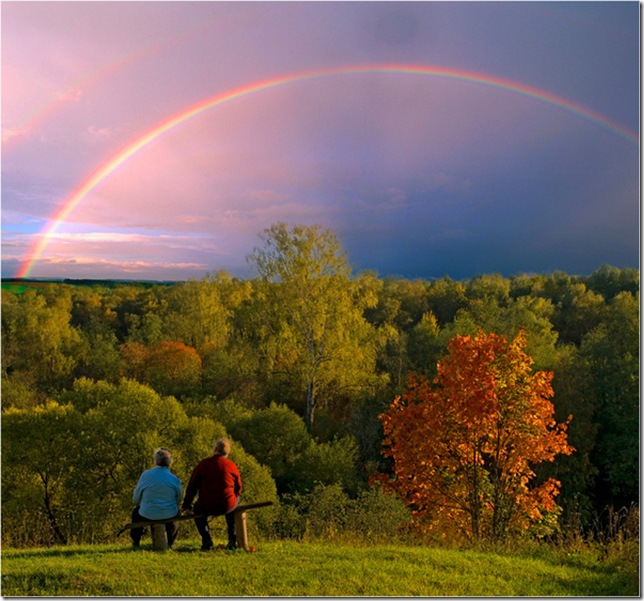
310,405
59,537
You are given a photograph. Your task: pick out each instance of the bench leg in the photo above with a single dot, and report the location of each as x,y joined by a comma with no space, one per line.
240,529
159,537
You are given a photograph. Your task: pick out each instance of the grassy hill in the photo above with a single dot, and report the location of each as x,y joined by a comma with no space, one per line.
310,569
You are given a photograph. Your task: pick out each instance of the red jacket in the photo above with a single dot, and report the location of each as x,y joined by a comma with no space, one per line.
217,481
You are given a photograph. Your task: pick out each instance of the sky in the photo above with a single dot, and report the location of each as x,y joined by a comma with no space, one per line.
157,140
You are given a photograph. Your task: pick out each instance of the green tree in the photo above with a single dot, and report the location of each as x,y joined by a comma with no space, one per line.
129,304
446,297
98,355
493,286
610,281
508,317
196,313
401,303
314,328
40,446
328,463
277,437
612,352
425,345
578,312
38,341
574,394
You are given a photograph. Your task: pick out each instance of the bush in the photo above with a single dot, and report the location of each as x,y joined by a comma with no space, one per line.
379,516
328,509
327,513
327,463
257,485
290,522
320,514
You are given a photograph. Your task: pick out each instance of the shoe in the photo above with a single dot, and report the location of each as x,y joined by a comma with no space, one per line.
206,547
136,547
231,547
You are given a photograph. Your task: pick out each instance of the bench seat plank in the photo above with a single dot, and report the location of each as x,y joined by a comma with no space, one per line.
240,515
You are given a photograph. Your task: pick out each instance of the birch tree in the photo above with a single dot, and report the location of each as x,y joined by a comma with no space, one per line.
314,329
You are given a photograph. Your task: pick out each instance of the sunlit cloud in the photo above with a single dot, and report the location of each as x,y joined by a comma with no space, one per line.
98,134
126,266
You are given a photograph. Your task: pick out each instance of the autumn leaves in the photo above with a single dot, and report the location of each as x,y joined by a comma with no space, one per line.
465,445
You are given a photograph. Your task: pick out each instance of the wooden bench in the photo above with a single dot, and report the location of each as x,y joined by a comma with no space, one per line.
159,535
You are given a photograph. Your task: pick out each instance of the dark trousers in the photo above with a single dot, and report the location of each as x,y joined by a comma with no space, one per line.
204,530
136,533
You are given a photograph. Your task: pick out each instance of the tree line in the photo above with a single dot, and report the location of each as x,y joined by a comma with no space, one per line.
295,365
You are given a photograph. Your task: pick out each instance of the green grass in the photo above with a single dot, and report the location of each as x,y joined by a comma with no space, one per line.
306,569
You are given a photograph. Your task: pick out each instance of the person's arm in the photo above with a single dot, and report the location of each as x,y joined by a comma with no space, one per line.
192,488
138,491
238,483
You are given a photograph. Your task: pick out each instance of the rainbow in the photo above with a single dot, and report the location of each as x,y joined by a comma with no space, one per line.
132,148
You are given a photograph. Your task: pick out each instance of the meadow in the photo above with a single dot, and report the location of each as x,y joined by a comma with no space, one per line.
312,569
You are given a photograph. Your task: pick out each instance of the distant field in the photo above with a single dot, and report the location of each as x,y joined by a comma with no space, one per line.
307,569
19,286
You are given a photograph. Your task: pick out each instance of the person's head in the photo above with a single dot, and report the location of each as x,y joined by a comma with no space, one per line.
162,457
222,447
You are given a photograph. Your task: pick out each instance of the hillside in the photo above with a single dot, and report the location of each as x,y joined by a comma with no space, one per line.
310,569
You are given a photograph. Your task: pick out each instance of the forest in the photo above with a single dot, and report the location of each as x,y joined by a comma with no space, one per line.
296,366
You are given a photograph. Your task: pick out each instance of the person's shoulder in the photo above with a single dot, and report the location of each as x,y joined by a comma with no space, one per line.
204,462
147,474
229,462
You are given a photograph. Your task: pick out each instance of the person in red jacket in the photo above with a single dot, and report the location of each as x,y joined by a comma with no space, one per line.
217,483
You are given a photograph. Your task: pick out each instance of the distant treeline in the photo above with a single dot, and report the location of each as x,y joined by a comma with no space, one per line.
23,283
296,366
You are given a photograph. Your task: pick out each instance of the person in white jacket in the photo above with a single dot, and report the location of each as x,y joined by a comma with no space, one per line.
157,497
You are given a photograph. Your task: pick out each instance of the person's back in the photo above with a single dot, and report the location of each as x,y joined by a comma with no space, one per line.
217,483
158,493
216,480
156,497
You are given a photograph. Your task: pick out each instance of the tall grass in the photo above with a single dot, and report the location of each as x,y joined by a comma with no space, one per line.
290,568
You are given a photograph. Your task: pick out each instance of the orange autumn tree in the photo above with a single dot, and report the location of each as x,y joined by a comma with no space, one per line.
464,447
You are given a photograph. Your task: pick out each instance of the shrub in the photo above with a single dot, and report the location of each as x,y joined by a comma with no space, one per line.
290,522
328,463
379,516
328,509
327,513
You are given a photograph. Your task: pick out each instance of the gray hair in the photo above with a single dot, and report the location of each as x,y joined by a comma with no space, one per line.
222,447
162,457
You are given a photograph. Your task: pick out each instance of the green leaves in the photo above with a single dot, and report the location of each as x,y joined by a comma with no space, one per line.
316,332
